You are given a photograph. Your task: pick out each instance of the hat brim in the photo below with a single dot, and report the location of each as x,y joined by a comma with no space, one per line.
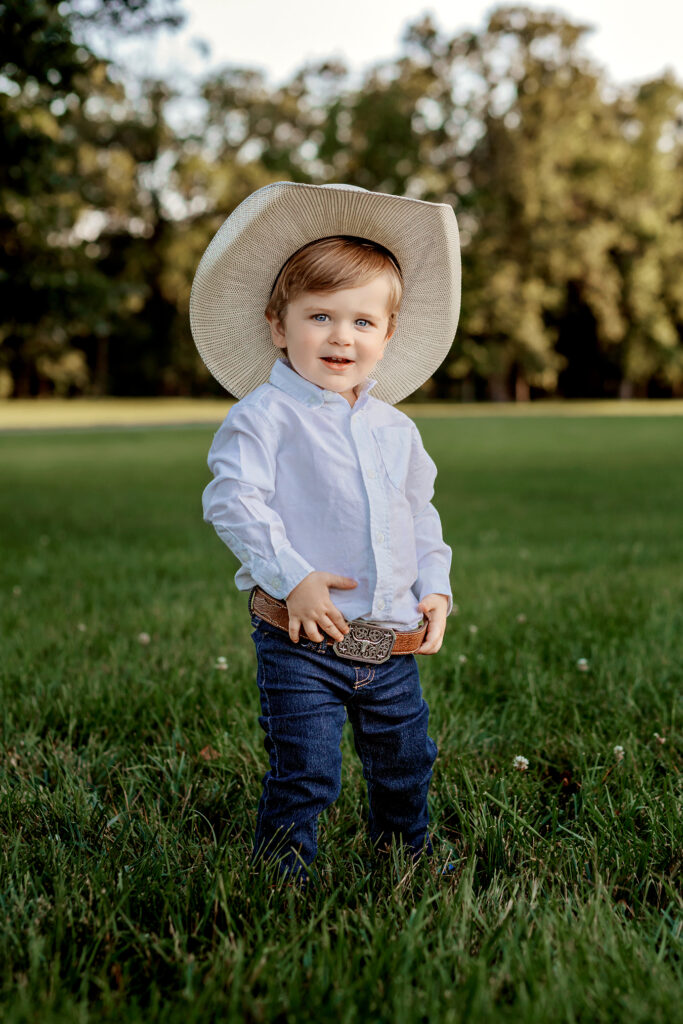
235,276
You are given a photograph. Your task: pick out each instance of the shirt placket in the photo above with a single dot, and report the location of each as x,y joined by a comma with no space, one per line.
380,538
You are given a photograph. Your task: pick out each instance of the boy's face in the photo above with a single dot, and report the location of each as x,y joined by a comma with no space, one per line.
351,324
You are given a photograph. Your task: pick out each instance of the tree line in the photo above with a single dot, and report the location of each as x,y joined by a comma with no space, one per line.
567,188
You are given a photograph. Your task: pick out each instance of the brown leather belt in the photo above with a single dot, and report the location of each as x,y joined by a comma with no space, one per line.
365,641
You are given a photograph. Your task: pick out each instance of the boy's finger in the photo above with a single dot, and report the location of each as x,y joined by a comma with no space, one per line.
338,620
333,627
430,647
311,628
343,582
429,643
294,628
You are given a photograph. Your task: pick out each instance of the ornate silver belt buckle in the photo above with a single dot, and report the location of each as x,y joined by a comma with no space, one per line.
366,642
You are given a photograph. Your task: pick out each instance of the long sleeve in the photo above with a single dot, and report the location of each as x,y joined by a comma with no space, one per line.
242,459
433,554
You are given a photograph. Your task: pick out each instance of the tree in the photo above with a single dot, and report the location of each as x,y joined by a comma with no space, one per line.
563,287
63,173
567,192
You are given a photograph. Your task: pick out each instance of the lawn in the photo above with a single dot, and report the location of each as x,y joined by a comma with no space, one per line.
131,763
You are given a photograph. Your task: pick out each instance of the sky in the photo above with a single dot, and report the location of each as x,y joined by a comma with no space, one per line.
280,37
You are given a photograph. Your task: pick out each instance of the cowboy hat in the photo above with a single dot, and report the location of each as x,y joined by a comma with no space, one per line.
235,277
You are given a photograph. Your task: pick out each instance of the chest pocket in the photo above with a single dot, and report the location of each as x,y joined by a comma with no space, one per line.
394,444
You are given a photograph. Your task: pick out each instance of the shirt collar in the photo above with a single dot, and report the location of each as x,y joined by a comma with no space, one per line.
284,376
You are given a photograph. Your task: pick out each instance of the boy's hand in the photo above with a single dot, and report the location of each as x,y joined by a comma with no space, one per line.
309,604
434,606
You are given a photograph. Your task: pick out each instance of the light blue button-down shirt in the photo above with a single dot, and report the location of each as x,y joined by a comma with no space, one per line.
304,481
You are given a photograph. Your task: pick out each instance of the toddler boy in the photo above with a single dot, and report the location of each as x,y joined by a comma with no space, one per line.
320,487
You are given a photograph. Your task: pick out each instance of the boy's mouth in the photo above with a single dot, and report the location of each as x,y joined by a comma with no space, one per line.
336,361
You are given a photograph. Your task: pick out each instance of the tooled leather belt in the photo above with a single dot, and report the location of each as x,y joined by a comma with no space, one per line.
365,641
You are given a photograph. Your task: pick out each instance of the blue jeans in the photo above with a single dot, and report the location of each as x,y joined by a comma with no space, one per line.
306,692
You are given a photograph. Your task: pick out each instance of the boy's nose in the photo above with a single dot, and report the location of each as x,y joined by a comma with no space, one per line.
342,334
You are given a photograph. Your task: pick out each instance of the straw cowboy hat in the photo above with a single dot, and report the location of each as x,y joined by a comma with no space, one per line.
235,277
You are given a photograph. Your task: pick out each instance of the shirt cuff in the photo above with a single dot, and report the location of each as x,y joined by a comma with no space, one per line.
434,583
279,576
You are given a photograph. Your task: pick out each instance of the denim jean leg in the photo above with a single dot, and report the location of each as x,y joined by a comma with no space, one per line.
389,719
302,720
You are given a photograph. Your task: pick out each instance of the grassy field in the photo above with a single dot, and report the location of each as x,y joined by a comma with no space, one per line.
131,764
22,414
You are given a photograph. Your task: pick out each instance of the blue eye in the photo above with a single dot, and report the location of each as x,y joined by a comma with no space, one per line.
323,317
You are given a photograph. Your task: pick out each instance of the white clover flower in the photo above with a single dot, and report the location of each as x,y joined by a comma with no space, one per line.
144,638
521,617
582,665
619,753
462,658
81,627
474,629
221,663
520,763
660,739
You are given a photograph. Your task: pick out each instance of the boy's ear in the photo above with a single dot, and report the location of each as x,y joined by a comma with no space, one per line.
386,341
383,350
277,330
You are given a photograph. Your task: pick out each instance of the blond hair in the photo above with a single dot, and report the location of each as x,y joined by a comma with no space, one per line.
330,264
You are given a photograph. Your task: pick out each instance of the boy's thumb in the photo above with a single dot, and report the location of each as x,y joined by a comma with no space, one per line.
342,582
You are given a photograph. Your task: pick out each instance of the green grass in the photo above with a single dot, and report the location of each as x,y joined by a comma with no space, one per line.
125,891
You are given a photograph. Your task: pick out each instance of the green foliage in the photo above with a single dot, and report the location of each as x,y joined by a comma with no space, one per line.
130,771
73,211
568,192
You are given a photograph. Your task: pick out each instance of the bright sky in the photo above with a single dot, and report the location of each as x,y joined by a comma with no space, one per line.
631,43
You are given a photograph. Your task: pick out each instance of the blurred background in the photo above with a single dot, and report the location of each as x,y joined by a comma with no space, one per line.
131,128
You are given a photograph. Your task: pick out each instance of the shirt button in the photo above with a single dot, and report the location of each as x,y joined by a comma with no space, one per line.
380,603
372,474
380,538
